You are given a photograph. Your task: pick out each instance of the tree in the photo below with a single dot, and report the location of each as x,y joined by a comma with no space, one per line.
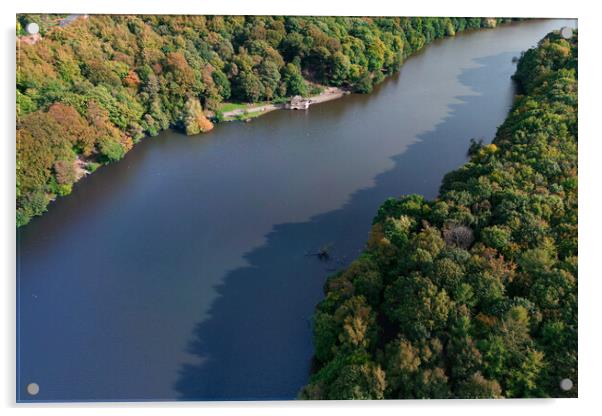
247,87
112,143
195,121
340,68
498,237
416,305
358,382
295,84
478,387
222,83
403,364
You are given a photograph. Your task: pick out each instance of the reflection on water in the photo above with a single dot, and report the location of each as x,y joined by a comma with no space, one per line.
180,272
266,306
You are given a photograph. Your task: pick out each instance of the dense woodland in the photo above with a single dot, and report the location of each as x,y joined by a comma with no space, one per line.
474,294
87,92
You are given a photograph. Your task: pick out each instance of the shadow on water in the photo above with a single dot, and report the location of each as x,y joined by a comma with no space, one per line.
256,340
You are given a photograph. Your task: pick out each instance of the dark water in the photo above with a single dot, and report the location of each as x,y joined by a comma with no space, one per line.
180,272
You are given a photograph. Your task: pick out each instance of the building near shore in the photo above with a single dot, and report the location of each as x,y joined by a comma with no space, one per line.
298,103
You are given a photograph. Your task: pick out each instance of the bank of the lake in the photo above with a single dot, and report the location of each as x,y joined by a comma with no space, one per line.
181,271
91,102
246,112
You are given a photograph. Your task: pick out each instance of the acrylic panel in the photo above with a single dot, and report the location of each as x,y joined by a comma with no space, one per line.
279,208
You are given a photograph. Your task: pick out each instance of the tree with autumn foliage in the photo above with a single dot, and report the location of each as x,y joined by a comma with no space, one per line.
195,121
131,76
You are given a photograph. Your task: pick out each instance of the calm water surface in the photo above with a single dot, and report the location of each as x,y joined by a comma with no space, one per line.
180,272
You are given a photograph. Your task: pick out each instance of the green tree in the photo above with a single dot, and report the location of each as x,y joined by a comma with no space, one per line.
292,78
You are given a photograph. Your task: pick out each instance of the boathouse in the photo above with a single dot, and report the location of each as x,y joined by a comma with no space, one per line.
298,103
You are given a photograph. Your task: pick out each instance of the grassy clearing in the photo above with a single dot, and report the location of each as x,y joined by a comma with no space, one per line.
246,116
225,107
228,106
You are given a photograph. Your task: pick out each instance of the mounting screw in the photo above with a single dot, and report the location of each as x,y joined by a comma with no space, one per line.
32,28
33,389
566,32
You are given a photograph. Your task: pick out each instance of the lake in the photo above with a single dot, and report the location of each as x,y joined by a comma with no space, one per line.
181,272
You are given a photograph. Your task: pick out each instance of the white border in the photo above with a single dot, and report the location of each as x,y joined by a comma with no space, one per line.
589,231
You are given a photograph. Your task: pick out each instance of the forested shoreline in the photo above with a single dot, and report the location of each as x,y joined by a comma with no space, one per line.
473,294
87,92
